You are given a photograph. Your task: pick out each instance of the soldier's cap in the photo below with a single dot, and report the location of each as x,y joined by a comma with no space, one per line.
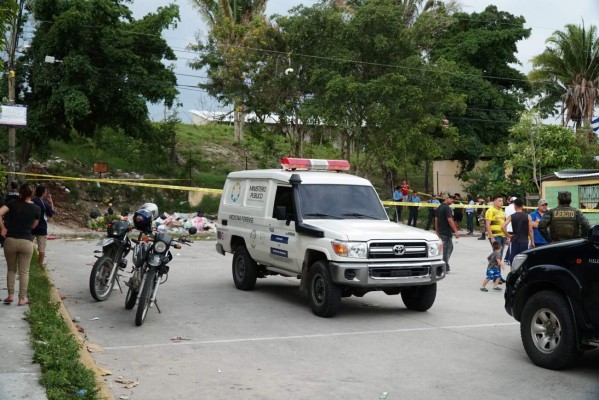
543,202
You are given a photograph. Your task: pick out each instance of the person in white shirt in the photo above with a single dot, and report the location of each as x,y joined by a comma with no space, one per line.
509,210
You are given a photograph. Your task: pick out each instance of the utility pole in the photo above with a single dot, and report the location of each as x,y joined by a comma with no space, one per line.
12,133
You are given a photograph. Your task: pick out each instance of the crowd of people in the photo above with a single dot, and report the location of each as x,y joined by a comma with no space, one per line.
510,230
23,221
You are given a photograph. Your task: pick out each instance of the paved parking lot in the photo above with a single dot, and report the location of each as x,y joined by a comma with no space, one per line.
267,344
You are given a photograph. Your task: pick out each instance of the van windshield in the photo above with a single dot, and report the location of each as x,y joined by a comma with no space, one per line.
340,202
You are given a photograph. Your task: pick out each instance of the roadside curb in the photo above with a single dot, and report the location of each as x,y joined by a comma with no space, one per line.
86,359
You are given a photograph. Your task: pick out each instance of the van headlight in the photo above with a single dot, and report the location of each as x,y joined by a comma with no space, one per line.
518,261
435,248
350,249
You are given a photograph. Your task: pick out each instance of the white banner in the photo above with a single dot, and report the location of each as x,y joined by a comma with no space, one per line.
13,115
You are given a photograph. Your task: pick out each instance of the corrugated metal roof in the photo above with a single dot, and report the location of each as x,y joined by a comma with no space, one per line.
577,173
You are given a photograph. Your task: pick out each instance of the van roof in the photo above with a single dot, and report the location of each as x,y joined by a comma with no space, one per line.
314,177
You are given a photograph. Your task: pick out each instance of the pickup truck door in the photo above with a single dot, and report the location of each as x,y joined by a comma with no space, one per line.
590,277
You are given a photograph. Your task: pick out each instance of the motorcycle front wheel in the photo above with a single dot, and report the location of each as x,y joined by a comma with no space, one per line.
100,284
146,295
130,299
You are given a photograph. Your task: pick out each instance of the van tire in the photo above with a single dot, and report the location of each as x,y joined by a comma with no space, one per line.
419,298
325,295
245,269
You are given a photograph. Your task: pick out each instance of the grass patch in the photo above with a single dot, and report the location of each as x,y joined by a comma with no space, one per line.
55,347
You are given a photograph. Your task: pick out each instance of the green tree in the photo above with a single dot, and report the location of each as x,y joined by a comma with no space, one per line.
8,13
535,148
567,72
234,26
483,45
110,66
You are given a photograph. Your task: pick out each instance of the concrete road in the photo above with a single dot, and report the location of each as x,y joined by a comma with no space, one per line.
267,344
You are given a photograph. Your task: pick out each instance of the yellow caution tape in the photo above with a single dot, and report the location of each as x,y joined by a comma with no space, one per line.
117,182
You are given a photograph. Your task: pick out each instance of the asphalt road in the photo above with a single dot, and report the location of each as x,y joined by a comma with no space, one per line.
267,344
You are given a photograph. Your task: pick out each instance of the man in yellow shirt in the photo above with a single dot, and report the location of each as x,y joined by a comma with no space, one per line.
494,217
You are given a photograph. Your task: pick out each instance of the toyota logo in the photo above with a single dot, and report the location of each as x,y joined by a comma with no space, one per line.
399,249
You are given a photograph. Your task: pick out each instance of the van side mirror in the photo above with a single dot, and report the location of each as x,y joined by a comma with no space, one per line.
280,212
594,234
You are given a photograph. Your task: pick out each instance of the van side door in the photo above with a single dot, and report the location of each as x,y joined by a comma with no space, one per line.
283,241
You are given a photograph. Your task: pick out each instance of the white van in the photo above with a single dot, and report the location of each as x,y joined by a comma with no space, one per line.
329,229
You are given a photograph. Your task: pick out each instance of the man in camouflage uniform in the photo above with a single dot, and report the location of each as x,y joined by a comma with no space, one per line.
564,222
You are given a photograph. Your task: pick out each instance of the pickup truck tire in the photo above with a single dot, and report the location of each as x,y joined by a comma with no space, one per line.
245,269
419,298
325,295
548,331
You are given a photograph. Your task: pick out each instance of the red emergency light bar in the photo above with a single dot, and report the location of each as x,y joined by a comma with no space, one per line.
313,164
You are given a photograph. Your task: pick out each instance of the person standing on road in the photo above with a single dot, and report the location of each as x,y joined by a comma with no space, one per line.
535,217
413,210
432,211
509,210
445,227
563,222
43,199
470,216
397,197
458,212
494,217
18,246
522,233
480,217
493,271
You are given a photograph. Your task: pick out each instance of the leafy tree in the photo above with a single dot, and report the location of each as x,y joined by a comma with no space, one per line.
483,45
535,149
365,78
109,66
8,13
567,72
234,26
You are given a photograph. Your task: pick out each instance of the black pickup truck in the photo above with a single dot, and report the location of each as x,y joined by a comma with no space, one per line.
553,291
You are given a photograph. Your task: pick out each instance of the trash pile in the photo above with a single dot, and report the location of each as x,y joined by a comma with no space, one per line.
180,223
171,223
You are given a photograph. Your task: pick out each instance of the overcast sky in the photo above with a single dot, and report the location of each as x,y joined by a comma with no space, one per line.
542,16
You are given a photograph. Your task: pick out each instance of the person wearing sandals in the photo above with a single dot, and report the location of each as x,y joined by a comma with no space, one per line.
42,199
493,272
18,245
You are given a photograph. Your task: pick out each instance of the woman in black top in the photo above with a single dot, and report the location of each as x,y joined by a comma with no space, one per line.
18,246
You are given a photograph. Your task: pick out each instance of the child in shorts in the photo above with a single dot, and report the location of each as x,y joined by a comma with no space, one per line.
493,271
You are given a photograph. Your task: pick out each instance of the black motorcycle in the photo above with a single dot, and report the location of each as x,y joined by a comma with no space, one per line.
105,272
150,258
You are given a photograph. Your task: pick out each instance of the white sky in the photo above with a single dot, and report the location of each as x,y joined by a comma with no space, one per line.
542,16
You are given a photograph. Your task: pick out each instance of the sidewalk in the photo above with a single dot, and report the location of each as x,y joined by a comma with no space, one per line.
19,376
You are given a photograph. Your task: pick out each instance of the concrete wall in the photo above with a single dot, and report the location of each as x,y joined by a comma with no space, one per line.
444,176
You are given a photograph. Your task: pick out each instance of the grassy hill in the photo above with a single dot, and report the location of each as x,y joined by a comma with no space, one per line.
205,155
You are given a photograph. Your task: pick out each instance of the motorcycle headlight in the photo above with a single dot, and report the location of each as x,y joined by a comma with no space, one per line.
350,249
518,261
435,248
155,260
160,246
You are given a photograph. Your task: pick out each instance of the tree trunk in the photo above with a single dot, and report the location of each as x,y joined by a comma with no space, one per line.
238,121
427,168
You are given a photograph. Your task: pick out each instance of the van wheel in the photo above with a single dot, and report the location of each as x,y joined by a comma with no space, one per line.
548,331
325,295
245,269
419,298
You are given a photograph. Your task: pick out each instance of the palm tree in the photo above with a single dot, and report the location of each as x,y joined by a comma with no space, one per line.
568,72
228,13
